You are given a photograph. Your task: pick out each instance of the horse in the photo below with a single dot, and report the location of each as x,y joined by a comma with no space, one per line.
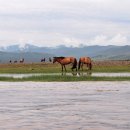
50,59
85,60
65,61
15,61
43,60
10,61
21,60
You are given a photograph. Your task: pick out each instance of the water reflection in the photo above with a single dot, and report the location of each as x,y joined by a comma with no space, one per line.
88,73
78,74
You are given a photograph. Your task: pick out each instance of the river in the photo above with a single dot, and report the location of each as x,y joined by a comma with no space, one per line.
65,105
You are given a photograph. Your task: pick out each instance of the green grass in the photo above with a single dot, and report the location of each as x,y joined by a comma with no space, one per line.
65,78
112,69
29,68
55,68
75,78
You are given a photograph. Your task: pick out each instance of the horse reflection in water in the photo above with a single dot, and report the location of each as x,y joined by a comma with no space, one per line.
78,74
74,73
88,73
65,61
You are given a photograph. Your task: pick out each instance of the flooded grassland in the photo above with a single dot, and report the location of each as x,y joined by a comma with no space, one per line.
64,105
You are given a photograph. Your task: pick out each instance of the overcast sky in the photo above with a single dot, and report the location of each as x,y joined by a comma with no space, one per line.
68,22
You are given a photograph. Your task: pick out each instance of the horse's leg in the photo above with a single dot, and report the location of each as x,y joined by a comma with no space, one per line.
65,68
62,68
89,66
82,66
72,68
76,68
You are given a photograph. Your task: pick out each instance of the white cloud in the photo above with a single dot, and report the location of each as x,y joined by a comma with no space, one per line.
70,22
119,40
104,40
101,39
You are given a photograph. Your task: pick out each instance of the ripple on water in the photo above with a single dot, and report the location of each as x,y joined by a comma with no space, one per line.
61,106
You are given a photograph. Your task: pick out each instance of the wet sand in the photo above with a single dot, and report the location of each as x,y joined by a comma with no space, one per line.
65,106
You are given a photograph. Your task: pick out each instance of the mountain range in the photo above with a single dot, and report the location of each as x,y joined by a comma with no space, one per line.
33,53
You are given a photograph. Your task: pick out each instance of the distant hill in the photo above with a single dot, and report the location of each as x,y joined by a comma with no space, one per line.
33,53
114,53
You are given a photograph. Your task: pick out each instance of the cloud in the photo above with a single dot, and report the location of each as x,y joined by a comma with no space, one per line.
104,40
119,40
69,22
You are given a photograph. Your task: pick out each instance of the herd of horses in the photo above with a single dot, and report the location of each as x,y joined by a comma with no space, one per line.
44,59
15,61
67,60
72,60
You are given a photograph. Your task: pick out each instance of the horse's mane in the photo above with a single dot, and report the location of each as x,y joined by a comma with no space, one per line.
60,57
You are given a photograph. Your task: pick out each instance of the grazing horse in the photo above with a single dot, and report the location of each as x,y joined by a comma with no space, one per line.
21,60
65,61
85,60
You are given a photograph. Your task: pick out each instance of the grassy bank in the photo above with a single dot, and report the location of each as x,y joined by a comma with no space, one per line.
56,68
65,78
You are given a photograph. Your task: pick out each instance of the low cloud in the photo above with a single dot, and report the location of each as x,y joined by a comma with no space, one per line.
104,40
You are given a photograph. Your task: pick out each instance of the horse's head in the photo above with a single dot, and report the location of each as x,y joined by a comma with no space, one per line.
54,59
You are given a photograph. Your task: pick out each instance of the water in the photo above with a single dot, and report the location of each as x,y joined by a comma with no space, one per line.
64,106
68,74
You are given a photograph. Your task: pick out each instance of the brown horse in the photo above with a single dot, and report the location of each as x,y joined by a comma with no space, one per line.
65,61
85,60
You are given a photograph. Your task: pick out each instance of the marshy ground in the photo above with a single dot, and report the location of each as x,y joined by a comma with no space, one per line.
102,70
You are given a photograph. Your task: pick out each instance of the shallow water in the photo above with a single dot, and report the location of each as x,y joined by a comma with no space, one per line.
68,74
64,106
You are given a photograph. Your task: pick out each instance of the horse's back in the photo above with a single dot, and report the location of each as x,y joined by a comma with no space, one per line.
85,59
67,60
72,58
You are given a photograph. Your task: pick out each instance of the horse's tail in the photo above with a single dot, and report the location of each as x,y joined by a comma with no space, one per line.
79,64
90,65
75,64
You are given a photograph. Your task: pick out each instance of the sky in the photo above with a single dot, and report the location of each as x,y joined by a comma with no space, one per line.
67,22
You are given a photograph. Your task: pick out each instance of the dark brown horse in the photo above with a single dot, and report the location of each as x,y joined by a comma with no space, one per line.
65,61
15,61
21,60
43,60
50,59
10,61
85,60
